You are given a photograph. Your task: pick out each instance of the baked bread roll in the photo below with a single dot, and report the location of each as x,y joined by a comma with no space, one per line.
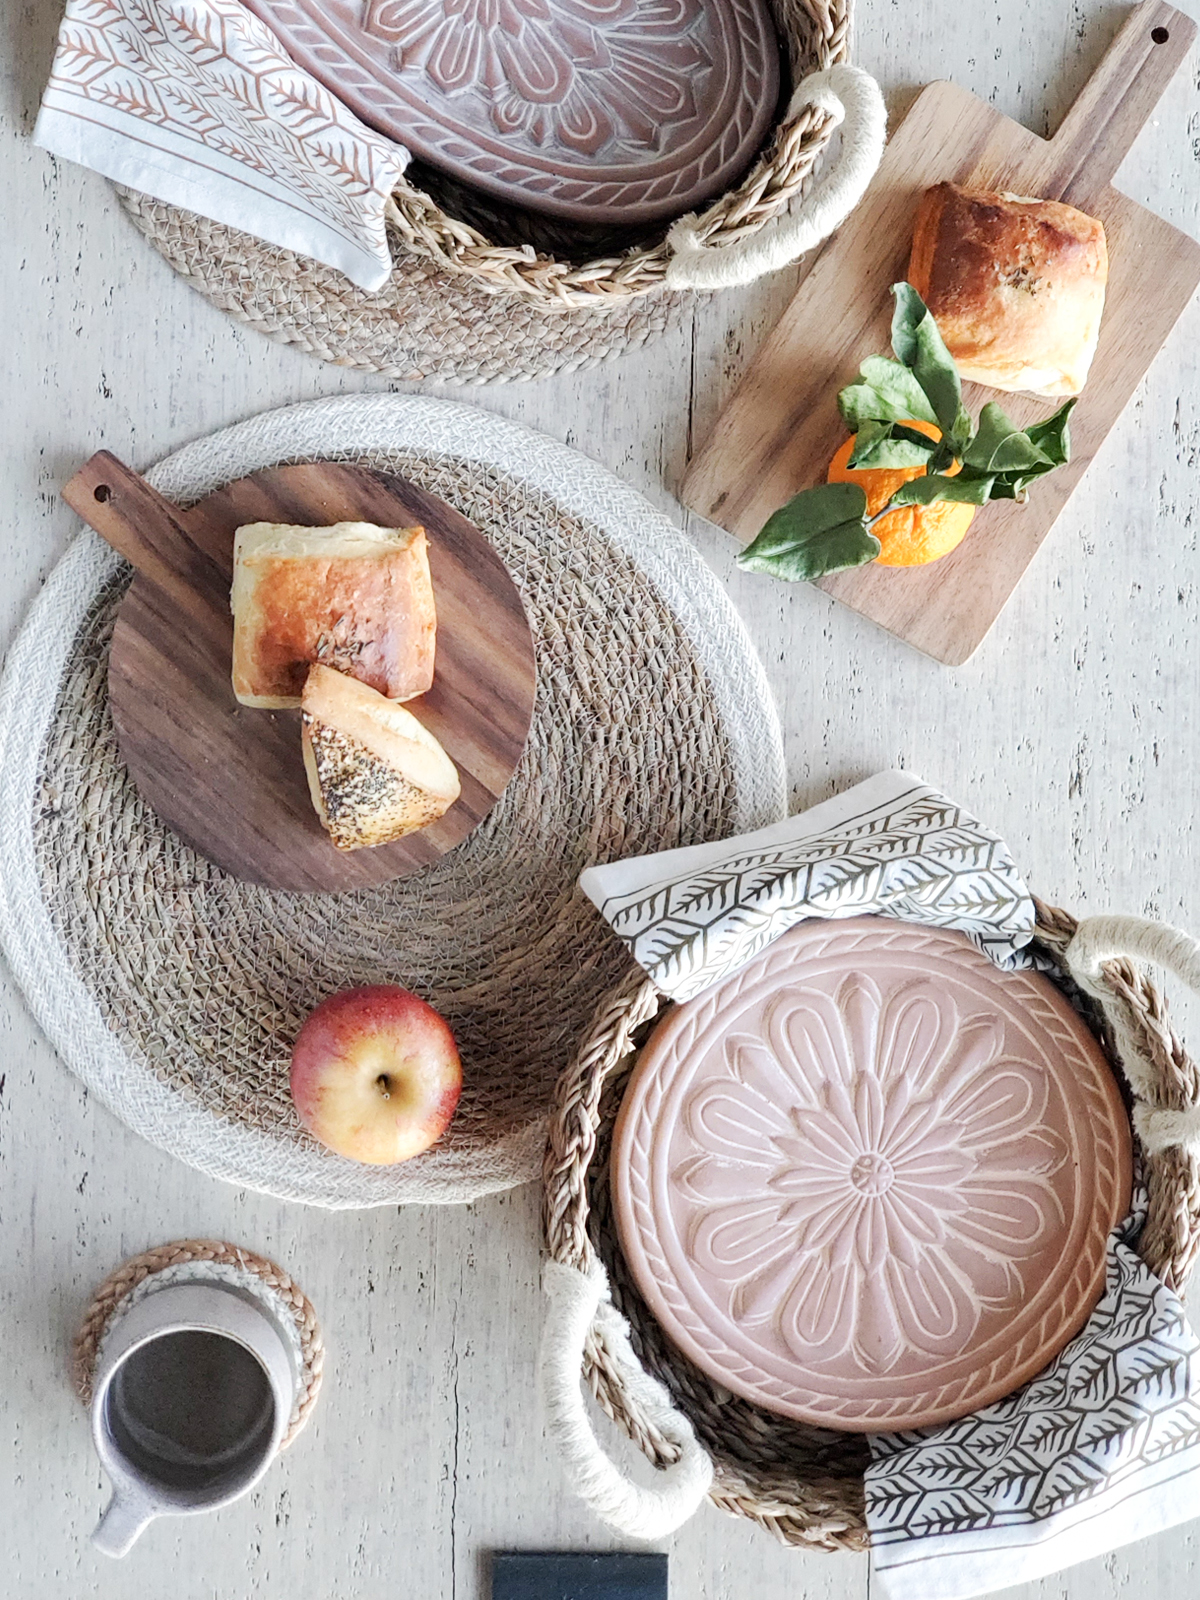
1015,286
374,772
353,596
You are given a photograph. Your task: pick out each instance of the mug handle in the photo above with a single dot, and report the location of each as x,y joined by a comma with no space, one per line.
124,1518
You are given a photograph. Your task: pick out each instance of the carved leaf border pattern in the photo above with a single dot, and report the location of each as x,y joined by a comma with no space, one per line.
760,1386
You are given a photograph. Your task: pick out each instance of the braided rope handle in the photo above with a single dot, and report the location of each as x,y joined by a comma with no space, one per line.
584,1334
850,99
579,1309
1100,956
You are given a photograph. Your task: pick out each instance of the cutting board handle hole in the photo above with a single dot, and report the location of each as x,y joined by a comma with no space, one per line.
1160,35
102,492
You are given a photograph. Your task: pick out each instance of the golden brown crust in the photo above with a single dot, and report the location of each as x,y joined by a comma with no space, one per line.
361,605
1016,286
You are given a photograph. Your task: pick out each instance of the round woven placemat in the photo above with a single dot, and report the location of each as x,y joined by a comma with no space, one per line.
194,1260
423,324
176,990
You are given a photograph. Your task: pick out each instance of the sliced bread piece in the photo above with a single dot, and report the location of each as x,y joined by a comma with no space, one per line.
351,596
374,772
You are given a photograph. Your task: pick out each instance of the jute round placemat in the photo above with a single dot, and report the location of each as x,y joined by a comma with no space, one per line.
176,991
423,324
204,1260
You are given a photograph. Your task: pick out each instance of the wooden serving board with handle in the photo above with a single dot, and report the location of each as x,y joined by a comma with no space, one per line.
230,779
781,426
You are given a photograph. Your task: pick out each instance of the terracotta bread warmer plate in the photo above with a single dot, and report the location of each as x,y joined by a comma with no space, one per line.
599,111
868,1181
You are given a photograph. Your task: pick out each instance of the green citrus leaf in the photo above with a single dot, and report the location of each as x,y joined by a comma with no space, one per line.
963,489
889,444
1053,436
920,347
1000,446
819,531
888,392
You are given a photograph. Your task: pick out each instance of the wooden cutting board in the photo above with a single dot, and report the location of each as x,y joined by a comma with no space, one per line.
781,426
230,779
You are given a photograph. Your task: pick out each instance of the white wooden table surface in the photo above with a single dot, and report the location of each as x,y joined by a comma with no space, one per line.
1075,731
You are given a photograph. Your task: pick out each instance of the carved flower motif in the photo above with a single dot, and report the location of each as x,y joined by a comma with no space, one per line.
899,1167
580,73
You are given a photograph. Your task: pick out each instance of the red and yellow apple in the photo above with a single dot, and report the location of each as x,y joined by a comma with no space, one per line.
376,1074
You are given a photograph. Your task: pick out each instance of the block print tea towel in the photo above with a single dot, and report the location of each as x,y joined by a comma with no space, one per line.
1101,1448
194,102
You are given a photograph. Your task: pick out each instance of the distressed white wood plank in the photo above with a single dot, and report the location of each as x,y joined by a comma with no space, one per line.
1074,731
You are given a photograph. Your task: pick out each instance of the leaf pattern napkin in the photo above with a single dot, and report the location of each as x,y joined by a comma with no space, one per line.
195,102
1101,1448
891,845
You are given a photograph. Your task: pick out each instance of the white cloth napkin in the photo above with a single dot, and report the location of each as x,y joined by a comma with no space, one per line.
195,102
1101,1448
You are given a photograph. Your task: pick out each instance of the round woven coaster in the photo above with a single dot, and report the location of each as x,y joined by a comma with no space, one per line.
196,1260
176,991
423,324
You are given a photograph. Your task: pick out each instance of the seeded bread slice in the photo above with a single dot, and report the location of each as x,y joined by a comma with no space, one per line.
374,772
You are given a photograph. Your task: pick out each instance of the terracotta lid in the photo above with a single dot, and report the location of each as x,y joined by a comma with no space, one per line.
613,111
868,1182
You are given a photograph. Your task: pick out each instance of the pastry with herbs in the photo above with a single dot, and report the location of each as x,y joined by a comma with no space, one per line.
374,772
354,597
1015,285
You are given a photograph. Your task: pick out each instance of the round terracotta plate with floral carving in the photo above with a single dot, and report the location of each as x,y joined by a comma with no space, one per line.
600,111
868,1181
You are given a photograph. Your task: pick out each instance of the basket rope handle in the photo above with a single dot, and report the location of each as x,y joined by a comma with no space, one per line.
584,1333
1098,957
852,99
579,1310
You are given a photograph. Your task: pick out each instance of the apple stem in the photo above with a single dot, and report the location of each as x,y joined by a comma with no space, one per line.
384,1084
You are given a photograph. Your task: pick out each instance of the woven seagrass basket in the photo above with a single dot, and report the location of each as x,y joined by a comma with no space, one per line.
816,36
804,1484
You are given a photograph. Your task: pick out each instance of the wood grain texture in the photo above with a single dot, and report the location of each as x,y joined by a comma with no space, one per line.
228,778
1073,731
782,426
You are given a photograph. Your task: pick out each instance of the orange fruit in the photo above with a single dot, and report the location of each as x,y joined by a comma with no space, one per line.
910,535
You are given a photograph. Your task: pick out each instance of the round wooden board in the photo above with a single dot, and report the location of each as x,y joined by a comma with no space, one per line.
230,780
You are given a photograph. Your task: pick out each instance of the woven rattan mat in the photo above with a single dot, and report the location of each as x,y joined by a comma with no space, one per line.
424,324
204,980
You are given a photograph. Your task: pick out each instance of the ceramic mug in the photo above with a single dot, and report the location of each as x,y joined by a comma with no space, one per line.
196,1385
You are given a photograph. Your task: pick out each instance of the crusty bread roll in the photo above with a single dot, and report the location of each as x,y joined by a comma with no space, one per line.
352,596
374,772
1016,286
